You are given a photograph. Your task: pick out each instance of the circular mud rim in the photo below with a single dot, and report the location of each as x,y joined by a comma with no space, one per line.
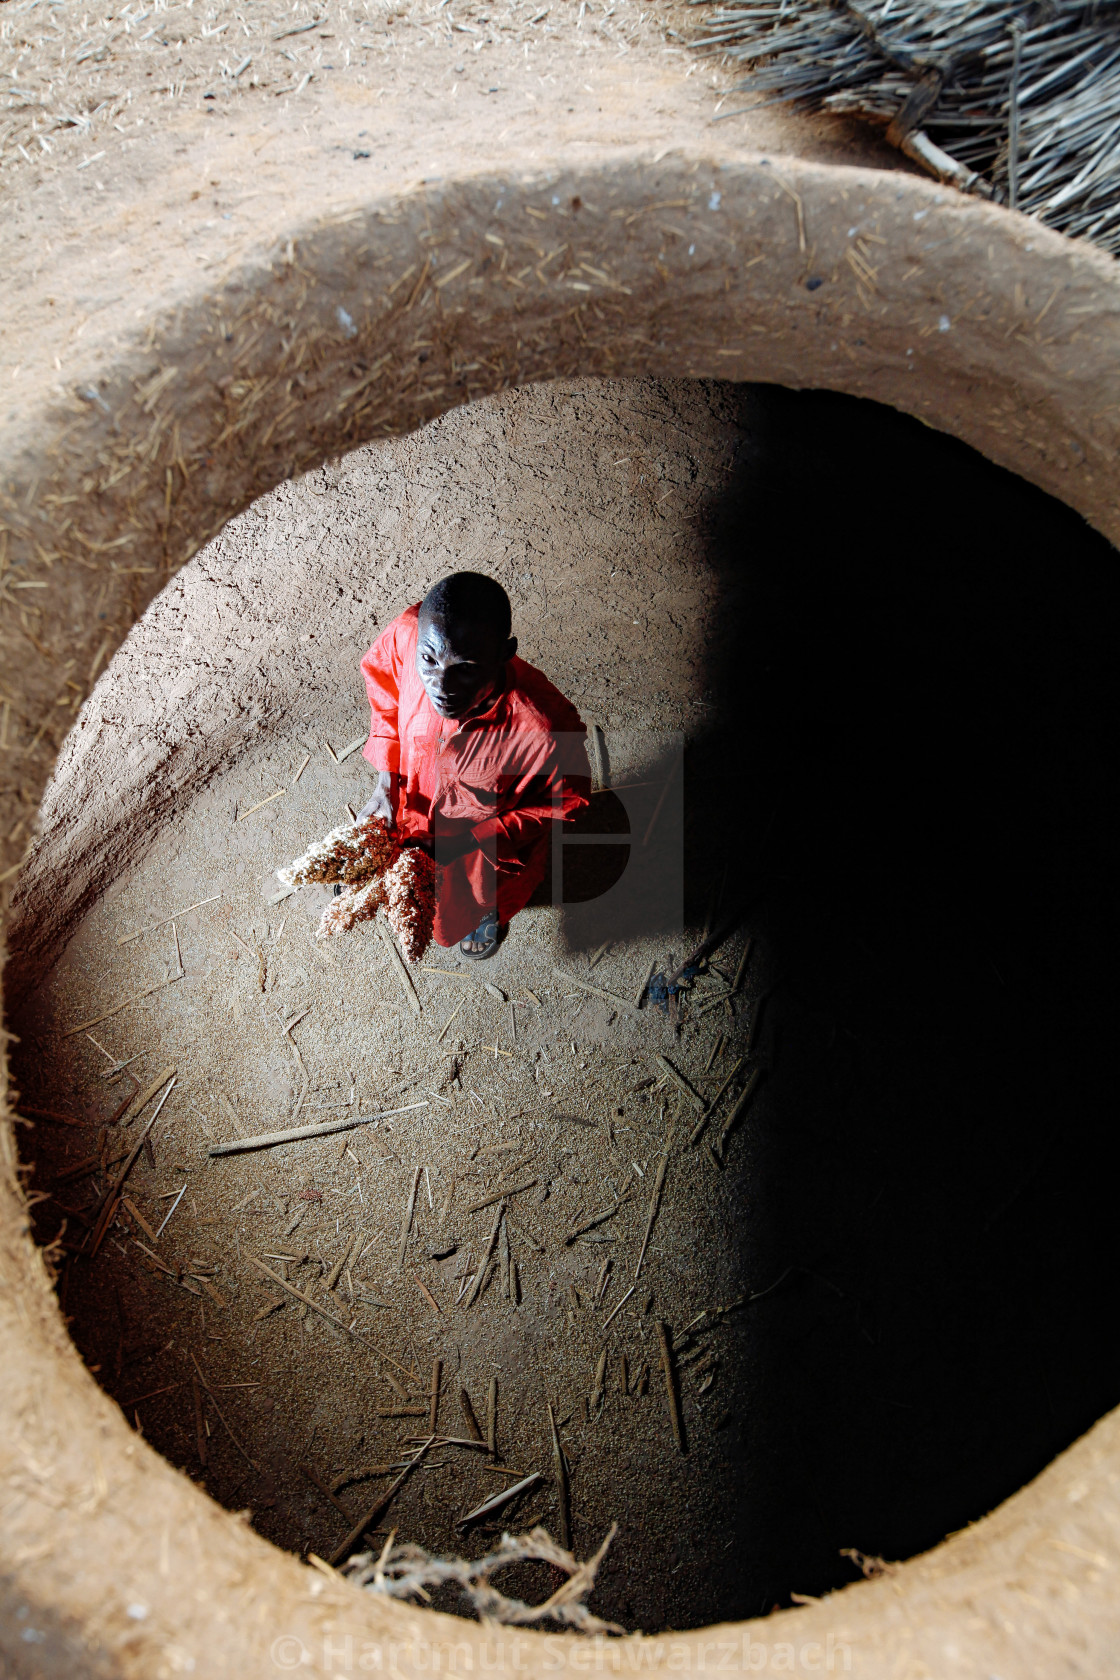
371,322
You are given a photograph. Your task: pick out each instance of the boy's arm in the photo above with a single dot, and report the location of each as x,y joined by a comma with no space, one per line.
381,669
558,787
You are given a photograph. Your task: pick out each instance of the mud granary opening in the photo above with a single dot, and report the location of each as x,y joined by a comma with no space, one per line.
867,728
189,405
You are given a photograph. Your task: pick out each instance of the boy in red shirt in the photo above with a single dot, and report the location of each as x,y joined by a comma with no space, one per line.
476,753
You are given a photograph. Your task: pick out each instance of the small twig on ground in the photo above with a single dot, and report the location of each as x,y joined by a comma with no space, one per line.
714,1104
168,1213
560,1466
739,1108
433,1401
406,1223
500,1195
222,1417
112,1196
296,1134
655,1199
116,1008
641,991
128,938
261,803
671,1384
376,1509
400,967
597,991
426,1292
492,1418
328,1493
141,1100
500,1500
682,1084
469,1418
199,1422
598,1382
480,1275
618,1306
590,1224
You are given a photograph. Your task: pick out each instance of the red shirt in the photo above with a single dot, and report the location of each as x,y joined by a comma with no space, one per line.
507,773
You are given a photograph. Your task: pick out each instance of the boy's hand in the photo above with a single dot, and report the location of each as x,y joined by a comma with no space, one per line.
380,803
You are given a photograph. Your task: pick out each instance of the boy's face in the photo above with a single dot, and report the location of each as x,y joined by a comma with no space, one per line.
460,664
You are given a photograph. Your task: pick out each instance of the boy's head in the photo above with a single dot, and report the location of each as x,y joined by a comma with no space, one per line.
463,642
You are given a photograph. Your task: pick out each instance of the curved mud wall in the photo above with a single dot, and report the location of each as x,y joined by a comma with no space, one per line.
373,321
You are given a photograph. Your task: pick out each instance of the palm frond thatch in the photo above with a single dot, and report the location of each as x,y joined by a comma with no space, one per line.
1019,99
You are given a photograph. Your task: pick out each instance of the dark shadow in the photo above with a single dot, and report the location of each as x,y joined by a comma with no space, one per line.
913,771
615,889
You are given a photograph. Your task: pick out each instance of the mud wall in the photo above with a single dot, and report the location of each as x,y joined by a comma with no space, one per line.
701,265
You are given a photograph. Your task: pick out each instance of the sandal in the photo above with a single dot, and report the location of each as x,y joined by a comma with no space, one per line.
488,934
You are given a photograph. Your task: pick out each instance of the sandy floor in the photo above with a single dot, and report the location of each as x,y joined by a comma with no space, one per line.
510,1073
929,995
553,1088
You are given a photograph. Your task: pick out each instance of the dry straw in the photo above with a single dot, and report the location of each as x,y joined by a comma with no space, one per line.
409,1572
1017,100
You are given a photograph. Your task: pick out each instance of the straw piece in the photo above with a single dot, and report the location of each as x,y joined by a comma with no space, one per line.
500,1500
143,1098
137,997
296,1134
641,992
618,1306
433,1403
682,1084
344,754
112,1196
324,1312
596,752
598,1384
126,1201
597,991
741,1105
480,1275
671,1384
246,1455
426,1292
500,1195
560,1466
327,1492
128,938
655,1201
400,968
714,1104
469,1418
376,1509
410,1209
199,1422
261,803
346,1258
492,1418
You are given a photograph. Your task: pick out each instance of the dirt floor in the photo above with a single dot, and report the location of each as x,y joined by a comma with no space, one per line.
898,736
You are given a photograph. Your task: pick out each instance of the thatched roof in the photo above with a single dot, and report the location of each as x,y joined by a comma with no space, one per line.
1026,96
